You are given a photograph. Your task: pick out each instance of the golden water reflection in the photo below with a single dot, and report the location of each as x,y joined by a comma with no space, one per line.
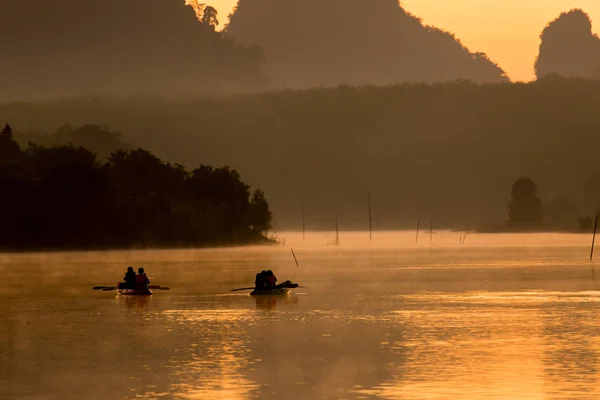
389,320
526,345
212,368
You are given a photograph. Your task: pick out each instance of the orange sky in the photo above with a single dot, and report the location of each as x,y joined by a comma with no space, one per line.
507,30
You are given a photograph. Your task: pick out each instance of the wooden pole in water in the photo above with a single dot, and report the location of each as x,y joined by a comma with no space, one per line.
303,232
337,232
594,238
430,231
418,223
370,230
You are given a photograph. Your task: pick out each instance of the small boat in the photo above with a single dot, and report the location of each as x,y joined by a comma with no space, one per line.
283,288
259,292
131,292
135,292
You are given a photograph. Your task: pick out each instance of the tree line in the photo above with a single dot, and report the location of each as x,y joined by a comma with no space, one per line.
445,152
65,197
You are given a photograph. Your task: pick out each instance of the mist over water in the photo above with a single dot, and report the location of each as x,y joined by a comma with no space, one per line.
500,316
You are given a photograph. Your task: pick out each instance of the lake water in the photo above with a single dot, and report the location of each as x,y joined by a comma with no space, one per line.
500,316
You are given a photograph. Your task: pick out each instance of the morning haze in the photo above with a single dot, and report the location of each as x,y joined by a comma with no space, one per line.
409,144
79,47
310,199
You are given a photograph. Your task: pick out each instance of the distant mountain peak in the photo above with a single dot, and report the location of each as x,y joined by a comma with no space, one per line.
569,47
330,42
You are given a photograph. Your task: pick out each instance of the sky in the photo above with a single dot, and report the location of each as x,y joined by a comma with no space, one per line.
508,31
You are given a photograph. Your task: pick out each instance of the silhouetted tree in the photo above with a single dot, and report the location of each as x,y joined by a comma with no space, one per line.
40,160
227,196
7,132
260,214
78,206
209,17
525,208
9,149
102,140
568,47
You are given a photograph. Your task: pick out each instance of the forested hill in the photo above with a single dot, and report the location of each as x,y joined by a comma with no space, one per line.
329,42
447,152
56,48
63,197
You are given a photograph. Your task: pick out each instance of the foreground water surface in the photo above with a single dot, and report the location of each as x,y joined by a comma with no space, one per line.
500,316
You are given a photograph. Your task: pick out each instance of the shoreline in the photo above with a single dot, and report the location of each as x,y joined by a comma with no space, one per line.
265,241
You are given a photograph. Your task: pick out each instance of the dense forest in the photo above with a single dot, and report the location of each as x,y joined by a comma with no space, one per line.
63,197
446,152
329,42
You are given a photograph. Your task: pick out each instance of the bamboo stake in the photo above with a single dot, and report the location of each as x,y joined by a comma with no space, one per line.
593,238
418,223
430,231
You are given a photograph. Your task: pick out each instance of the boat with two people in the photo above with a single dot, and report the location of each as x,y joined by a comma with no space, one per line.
133,284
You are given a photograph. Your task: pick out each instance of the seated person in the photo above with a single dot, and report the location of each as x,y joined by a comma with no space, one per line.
129,279
270,279
259,282
141,280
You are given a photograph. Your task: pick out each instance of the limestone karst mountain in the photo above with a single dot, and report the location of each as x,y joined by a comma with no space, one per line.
569,47
330,42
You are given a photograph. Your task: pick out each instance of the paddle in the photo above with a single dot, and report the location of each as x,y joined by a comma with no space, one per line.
156,287
244,288
108,288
